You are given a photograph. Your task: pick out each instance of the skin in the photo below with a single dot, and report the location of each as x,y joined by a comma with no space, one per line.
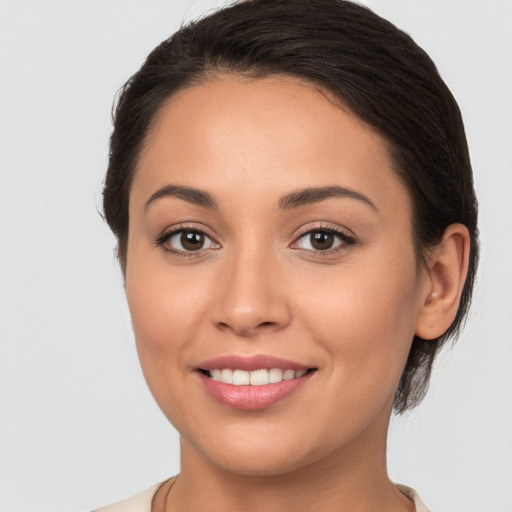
258,287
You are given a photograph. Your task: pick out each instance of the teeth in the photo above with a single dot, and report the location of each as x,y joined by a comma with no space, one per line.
275,375
226,376
256,377
240,378
288,374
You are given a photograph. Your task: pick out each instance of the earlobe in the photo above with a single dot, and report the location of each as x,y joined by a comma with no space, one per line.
443,282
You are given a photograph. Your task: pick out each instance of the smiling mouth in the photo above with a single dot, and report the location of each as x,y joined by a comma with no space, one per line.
260,377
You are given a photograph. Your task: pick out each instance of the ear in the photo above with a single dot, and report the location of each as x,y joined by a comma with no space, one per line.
443,281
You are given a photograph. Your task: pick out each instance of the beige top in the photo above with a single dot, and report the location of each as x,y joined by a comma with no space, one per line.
142,502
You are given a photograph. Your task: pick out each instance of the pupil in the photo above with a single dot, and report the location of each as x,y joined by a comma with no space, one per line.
322,240
192,241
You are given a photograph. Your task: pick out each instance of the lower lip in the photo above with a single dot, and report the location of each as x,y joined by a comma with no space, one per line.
252,398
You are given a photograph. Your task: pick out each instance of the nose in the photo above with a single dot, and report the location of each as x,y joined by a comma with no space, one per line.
251,298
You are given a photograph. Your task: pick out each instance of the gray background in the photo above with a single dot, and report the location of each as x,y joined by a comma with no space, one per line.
78,427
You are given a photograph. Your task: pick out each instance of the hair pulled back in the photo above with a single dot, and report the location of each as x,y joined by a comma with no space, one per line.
371,67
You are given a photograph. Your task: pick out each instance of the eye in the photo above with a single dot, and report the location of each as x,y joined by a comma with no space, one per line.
322,240
186,240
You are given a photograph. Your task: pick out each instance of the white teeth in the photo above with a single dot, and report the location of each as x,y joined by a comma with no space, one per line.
226,376
288,374
256,377
240,378
275,375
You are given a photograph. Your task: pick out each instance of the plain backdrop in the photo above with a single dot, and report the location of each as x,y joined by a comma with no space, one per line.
78,428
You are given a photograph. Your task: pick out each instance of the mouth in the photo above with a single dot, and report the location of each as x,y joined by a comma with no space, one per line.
252,383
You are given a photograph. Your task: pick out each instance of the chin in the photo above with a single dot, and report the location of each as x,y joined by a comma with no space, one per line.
262,465
253,455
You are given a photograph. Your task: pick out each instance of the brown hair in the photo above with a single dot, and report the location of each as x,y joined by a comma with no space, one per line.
370,66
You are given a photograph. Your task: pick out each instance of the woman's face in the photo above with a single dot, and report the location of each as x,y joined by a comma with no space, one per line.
270,242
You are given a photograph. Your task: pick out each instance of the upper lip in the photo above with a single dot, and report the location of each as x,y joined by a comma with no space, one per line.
250,363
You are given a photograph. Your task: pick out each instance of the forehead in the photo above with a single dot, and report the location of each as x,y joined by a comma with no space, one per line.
266,136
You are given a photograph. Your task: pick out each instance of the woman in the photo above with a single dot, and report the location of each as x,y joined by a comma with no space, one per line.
291,191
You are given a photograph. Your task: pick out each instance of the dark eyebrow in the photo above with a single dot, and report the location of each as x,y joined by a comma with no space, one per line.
189,194
315,195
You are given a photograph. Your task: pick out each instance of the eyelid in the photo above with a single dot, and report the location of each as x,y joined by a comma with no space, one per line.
346,237
174,230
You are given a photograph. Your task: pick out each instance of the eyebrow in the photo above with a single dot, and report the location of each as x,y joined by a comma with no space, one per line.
315,195
290,201
188,194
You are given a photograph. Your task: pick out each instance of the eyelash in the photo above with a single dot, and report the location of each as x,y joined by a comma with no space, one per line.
162,240
344,237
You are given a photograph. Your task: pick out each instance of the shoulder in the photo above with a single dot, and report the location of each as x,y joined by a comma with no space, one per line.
411,493
139,503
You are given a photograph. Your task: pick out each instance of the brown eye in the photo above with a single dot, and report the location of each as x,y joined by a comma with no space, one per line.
191,240
321,240
187,240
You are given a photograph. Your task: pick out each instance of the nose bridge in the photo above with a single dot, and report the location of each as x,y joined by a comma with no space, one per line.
250,297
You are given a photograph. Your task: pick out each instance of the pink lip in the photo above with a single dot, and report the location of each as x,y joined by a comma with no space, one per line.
250,363
251,398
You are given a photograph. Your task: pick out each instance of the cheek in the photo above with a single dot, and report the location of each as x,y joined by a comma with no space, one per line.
166,312
166,309
365,319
